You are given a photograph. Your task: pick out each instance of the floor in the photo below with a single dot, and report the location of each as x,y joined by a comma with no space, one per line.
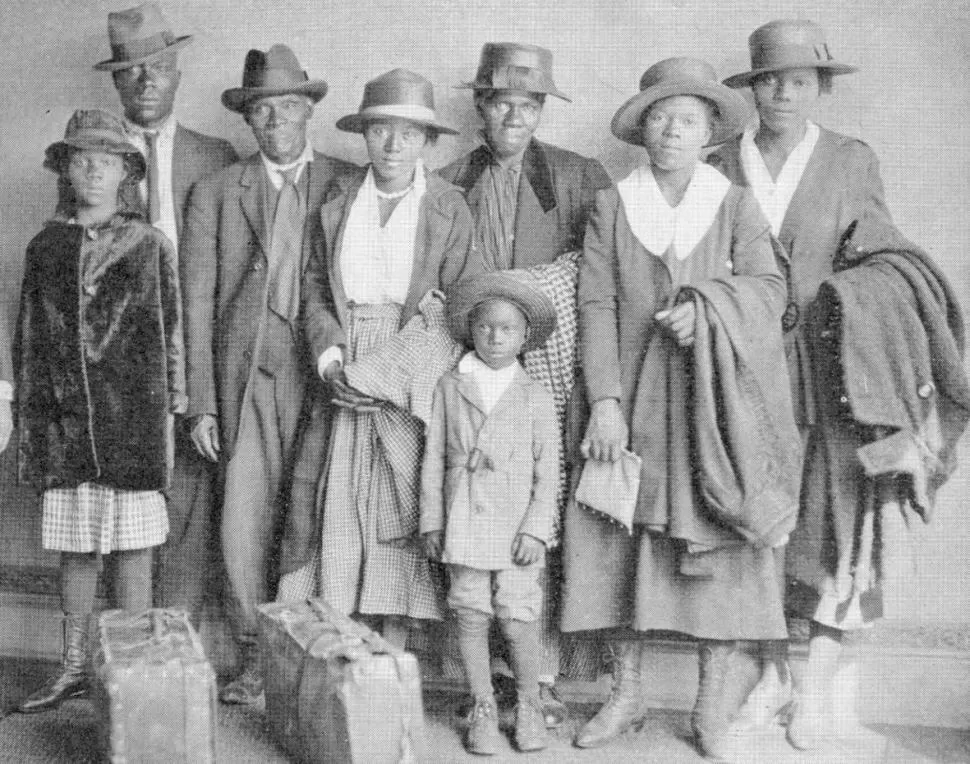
69,734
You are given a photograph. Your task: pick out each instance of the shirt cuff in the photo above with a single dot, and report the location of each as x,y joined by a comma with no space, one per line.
6,391
327,357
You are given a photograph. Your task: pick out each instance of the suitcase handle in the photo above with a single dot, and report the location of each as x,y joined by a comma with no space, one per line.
340,622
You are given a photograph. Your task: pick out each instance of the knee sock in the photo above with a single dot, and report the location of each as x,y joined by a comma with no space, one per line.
473,644
133,579
523,641
79,581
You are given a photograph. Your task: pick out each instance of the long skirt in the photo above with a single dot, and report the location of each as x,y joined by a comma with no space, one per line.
358,572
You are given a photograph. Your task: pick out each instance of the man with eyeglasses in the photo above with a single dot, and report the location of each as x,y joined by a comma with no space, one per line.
246,246
145,70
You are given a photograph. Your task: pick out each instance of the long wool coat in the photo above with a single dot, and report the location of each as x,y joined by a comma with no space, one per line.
841,184
99,356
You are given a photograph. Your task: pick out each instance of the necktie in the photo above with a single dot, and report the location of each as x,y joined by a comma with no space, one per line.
285,250
151,160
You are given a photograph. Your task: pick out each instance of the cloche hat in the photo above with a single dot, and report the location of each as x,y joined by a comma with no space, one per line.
788,44
139,35
96,130
397,93
272,73
515,66
682,76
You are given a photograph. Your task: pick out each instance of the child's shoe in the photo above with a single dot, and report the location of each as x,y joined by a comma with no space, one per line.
483,736
530,726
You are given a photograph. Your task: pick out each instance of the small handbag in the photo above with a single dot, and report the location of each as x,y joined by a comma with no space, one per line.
610,488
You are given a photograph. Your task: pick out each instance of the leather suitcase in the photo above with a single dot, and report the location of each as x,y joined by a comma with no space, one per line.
154,689
335,690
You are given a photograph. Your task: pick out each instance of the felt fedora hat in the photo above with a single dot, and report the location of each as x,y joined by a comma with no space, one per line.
272,73
682,76
788,44
519,287
95,130
515,66
138,35
398,93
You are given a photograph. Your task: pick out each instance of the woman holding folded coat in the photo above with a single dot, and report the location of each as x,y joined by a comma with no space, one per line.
680,300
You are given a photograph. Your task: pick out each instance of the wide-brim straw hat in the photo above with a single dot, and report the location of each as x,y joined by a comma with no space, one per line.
788,44
139,35
398,93
272,73
682,76
515,66
95,130
519,287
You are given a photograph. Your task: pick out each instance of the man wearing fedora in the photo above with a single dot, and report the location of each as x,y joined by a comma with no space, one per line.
531,202
144,67
246,246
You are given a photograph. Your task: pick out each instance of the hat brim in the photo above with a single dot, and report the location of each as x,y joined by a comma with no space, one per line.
54,153
745,78
485,86
115,66
235,99
355,123
733,109
532,300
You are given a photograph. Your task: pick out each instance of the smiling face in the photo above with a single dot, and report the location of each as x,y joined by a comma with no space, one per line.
95,177
394,146
499,329
786,99
675,130
279,125
147,91
511,118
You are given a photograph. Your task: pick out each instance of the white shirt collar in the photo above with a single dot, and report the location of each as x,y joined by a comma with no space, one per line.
166,131
659,226
275,171
491,383
775,194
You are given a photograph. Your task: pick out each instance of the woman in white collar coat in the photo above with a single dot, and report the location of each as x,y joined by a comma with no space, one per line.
812,184
673,251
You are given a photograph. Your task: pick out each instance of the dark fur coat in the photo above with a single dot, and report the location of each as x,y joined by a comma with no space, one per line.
98,356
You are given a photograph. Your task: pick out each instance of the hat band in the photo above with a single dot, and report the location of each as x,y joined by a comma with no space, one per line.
516,78
789,56
412,112
132,50
274,79
93,135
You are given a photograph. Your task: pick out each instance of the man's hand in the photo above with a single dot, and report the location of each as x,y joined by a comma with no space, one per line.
680,321
205,437
6,424
433,543
333,372
527,549
606,433
349,397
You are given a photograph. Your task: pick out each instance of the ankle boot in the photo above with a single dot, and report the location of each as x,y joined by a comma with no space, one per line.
709,719
72,679
625,705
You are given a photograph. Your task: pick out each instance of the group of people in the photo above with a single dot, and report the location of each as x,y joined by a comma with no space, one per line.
383,384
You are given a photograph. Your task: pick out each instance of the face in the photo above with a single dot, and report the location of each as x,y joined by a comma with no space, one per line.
95,177
147,91
279,125
499,330
785,99
394,146
675,130
511,117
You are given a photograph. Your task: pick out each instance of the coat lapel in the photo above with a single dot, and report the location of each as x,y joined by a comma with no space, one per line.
801,207
333,218
251,200
182,151
420,283
469,391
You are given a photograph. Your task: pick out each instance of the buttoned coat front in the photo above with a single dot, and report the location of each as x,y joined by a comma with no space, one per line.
489,477
224,263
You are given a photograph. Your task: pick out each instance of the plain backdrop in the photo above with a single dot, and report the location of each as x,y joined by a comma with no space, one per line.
910,102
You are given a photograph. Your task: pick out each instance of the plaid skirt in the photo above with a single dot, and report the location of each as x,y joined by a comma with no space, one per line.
98,518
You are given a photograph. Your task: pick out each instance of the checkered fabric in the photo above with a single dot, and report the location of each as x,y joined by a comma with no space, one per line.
99,518
554,365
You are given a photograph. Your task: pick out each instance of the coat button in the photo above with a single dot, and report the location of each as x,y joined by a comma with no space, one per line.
258,265
90,290
843,399
925,391
479,509
91,233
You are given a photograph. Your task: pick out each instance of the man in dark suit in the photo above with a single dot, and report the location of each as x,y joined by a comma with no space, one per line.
144,67
531,202
246,246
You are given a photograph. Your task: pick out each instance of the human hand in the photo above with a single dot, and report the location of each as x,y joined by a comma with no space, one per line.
433,543
334,371
6,424
680,321
606,433
348,397
526,549
205,437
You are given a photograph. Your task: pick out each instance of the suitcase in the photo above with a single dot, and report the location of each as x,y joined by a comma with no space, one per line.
335,690
154,689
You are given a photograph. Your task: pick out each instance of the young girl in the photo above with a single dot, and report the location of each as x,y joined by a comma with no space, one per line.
99,371
488,490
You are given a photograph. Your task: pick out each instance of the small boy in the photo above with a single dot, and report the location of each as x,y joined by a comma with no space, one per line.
488,490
